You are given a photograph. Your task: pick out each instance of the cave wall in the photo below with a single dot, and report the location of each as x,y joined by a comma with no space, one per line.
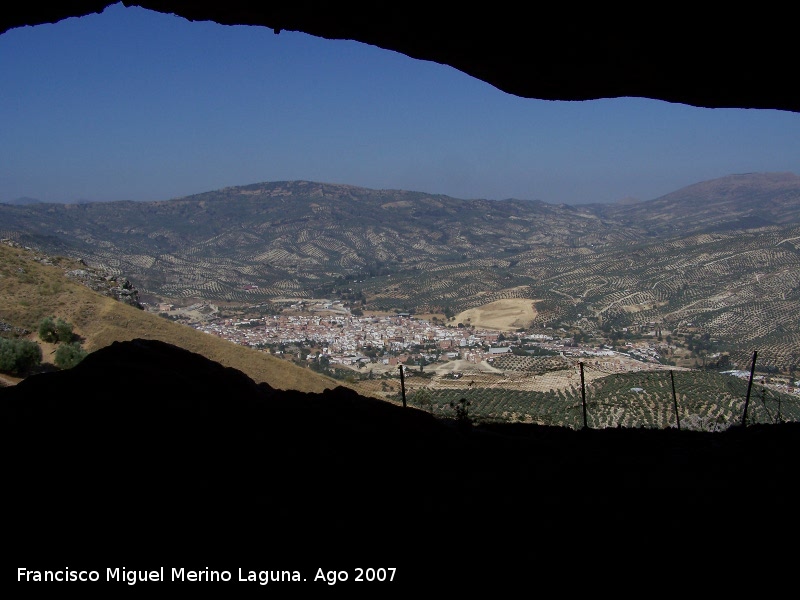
703,58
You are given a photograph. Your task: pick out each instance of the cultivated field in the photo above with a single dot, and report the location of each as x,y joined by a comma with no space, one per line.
509,314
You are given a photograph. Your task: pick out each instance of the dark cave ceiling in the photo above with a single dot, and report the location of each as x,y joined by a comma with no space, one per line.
703,58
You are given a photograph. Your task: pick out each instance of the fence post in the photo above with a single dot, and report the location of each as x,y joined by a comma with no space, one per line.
583,396
749,385
402,386
675,400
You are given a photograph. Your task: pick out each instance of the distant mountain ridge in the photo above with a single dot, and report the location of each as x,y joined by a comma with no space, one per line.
736,200
721,255
23,201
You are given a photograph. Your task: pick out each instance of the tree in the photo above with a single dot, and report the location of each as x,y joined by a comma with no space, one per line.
422,398
64,331
52,330
462,412
47,330
19,356
68,355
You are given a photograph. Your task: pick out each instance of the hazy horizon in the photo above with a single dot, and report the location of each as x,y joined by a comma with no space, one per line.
133,104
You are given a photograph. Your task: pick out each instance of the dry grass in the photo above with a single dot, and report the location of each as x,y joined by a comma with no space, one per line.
504,315
30,291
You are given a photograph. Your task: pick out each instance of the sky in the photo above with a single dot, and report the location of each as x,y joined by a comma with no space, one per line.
133,104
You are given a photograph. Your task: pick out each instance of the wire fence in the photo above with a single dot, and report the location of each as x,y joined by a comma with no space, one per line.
577,393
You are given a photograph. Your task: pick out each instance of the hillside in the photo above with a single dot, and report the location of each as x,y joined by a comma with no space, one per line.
34,286
720,257
735,202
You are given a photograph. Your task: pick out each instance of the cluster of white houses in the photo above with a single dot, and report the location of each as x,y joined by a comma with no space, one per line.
347,339
341,335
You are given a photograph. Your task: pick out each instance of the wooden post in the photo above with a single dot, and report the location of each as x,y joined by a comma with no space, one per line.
402,386
583,396
675,400
749,386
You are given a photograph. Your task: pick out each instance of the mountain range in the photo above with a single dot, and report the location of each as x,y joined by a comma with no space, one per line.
718,257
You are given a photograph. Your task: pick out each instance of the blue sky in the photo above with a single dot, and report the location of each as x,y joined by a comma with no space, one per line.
136,105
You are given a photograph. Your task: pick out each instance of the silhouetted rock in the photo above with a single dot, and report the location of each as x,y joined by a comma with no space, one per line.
147,452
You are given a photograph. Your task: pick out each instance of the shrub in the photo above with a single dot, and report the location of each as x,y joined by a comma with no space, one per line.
64,331
19,356
52,330
461,407
47,330
69,355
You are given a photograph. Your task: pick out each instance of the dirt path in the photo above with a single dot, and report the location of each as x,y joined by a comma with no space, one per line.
7,380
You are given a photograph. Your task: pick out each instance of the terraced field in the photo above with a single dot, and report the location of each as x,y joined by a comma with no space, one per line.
549,391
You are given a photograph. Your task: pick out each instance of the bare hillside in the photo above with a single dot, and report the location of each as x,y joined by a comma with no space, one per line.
34,286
